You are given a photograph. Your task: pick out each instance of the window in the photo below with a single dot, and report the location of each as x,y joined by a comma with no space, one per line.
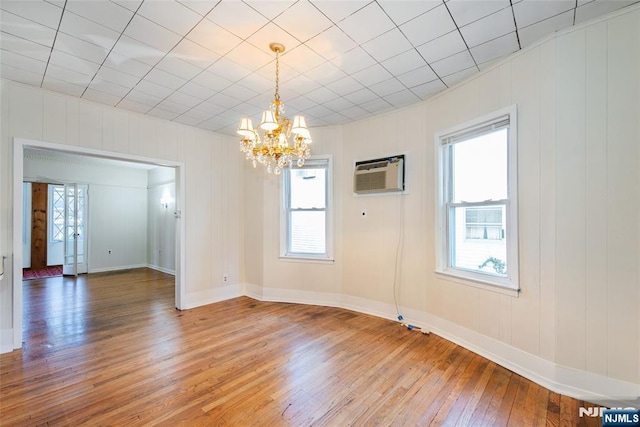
306,210
56,213
477,201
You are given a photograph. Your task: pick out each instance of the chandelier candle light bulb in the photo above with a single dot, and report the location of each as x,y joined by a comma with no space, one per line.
274,150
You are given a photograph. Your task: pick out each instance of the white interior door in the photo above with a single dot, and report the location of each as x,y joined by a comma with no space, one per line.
75,220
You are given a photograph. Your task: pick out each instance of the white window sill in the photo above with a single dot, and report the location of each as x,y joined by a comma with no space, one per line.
477,283
300,258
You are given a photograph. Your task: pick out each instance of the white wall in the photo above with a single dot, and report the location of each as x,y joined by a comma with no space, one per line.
575,326
117,208
161,225
213,180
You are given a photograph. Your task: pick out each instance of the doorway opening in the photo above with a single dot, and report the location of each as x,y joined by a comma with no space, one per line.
76,233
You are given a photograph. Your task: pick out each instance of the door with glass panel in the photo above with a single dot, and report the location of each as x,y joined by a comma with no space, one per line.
75,237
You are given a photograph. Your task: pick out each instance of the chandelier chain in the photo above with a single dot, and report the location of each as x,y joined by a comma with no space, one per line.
277,95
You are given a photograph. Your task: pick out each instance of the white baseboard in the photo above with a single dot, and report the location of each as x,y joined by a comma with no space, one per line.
161,269
116,268
6,340
578,384
210,296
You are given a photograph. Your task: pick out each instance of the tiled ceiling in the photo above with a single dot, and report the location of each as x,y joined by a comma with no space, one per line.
207,63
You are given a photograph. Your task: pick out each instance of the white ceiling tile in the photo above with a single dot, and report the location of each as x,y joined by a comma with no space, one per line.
302,59
495,48
446,45
271,33
143,98
207,108
401,98
386,45
109,87
162,114
335,118
459,76
178,67
132,5
224,100
37,11
321,95
137,50
201,7
303,21
183,99
62,86
20,75
372,75
387,87
353,61
194,54
152,34
431,88
488,28
403,63
539,30
331,43
170,14
75,63
377,105
24,47
126,65
340,9
20,27
154,89
402,11
269,72
428,26
361,96
118,77
83,49
355,112
23,62
417,77
239,93
260,83
301,84
104,12
67,75
171,106
211,81
300,103
453,64
226,14
316,111
270,9
529,12
366,23
327,72
250,56
187,120
593,9
130,105
197,91
213,37
466,11
165,79
338,104
101,97
77,26
229,70
345,86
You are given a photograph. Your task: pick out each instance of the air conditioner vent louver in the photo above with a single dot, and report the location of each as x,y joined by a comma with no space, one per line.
379,175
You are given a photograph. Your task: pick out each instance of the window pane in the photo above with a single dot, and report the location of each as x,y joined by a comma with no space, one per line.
308,232
308,188
480,254
480,168
484,222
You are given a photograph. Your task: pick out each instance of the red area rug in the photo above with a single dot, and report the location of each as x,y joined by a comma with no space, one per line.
53,271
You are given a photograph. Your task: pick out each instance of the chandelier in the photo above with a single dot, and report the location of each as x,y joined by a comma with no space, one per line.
274,150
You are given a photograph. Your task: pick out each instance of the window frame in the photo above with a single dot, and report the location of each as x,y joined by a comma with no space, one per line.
51,189
508,284
325,161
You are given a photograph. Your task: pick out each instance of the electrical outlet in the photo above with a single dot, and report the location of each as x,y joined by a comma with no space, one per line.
225,278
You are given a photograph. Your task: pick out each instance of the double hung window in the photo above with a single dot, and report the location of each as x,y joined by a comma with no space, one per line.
306,218
478,202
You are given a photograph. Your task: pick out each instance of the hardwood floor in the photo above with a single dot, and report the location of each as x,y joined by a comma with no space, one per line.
110,349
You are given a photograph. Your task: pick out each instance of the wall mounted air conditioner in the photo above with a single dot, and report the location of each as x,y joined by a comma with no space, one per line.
379,175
